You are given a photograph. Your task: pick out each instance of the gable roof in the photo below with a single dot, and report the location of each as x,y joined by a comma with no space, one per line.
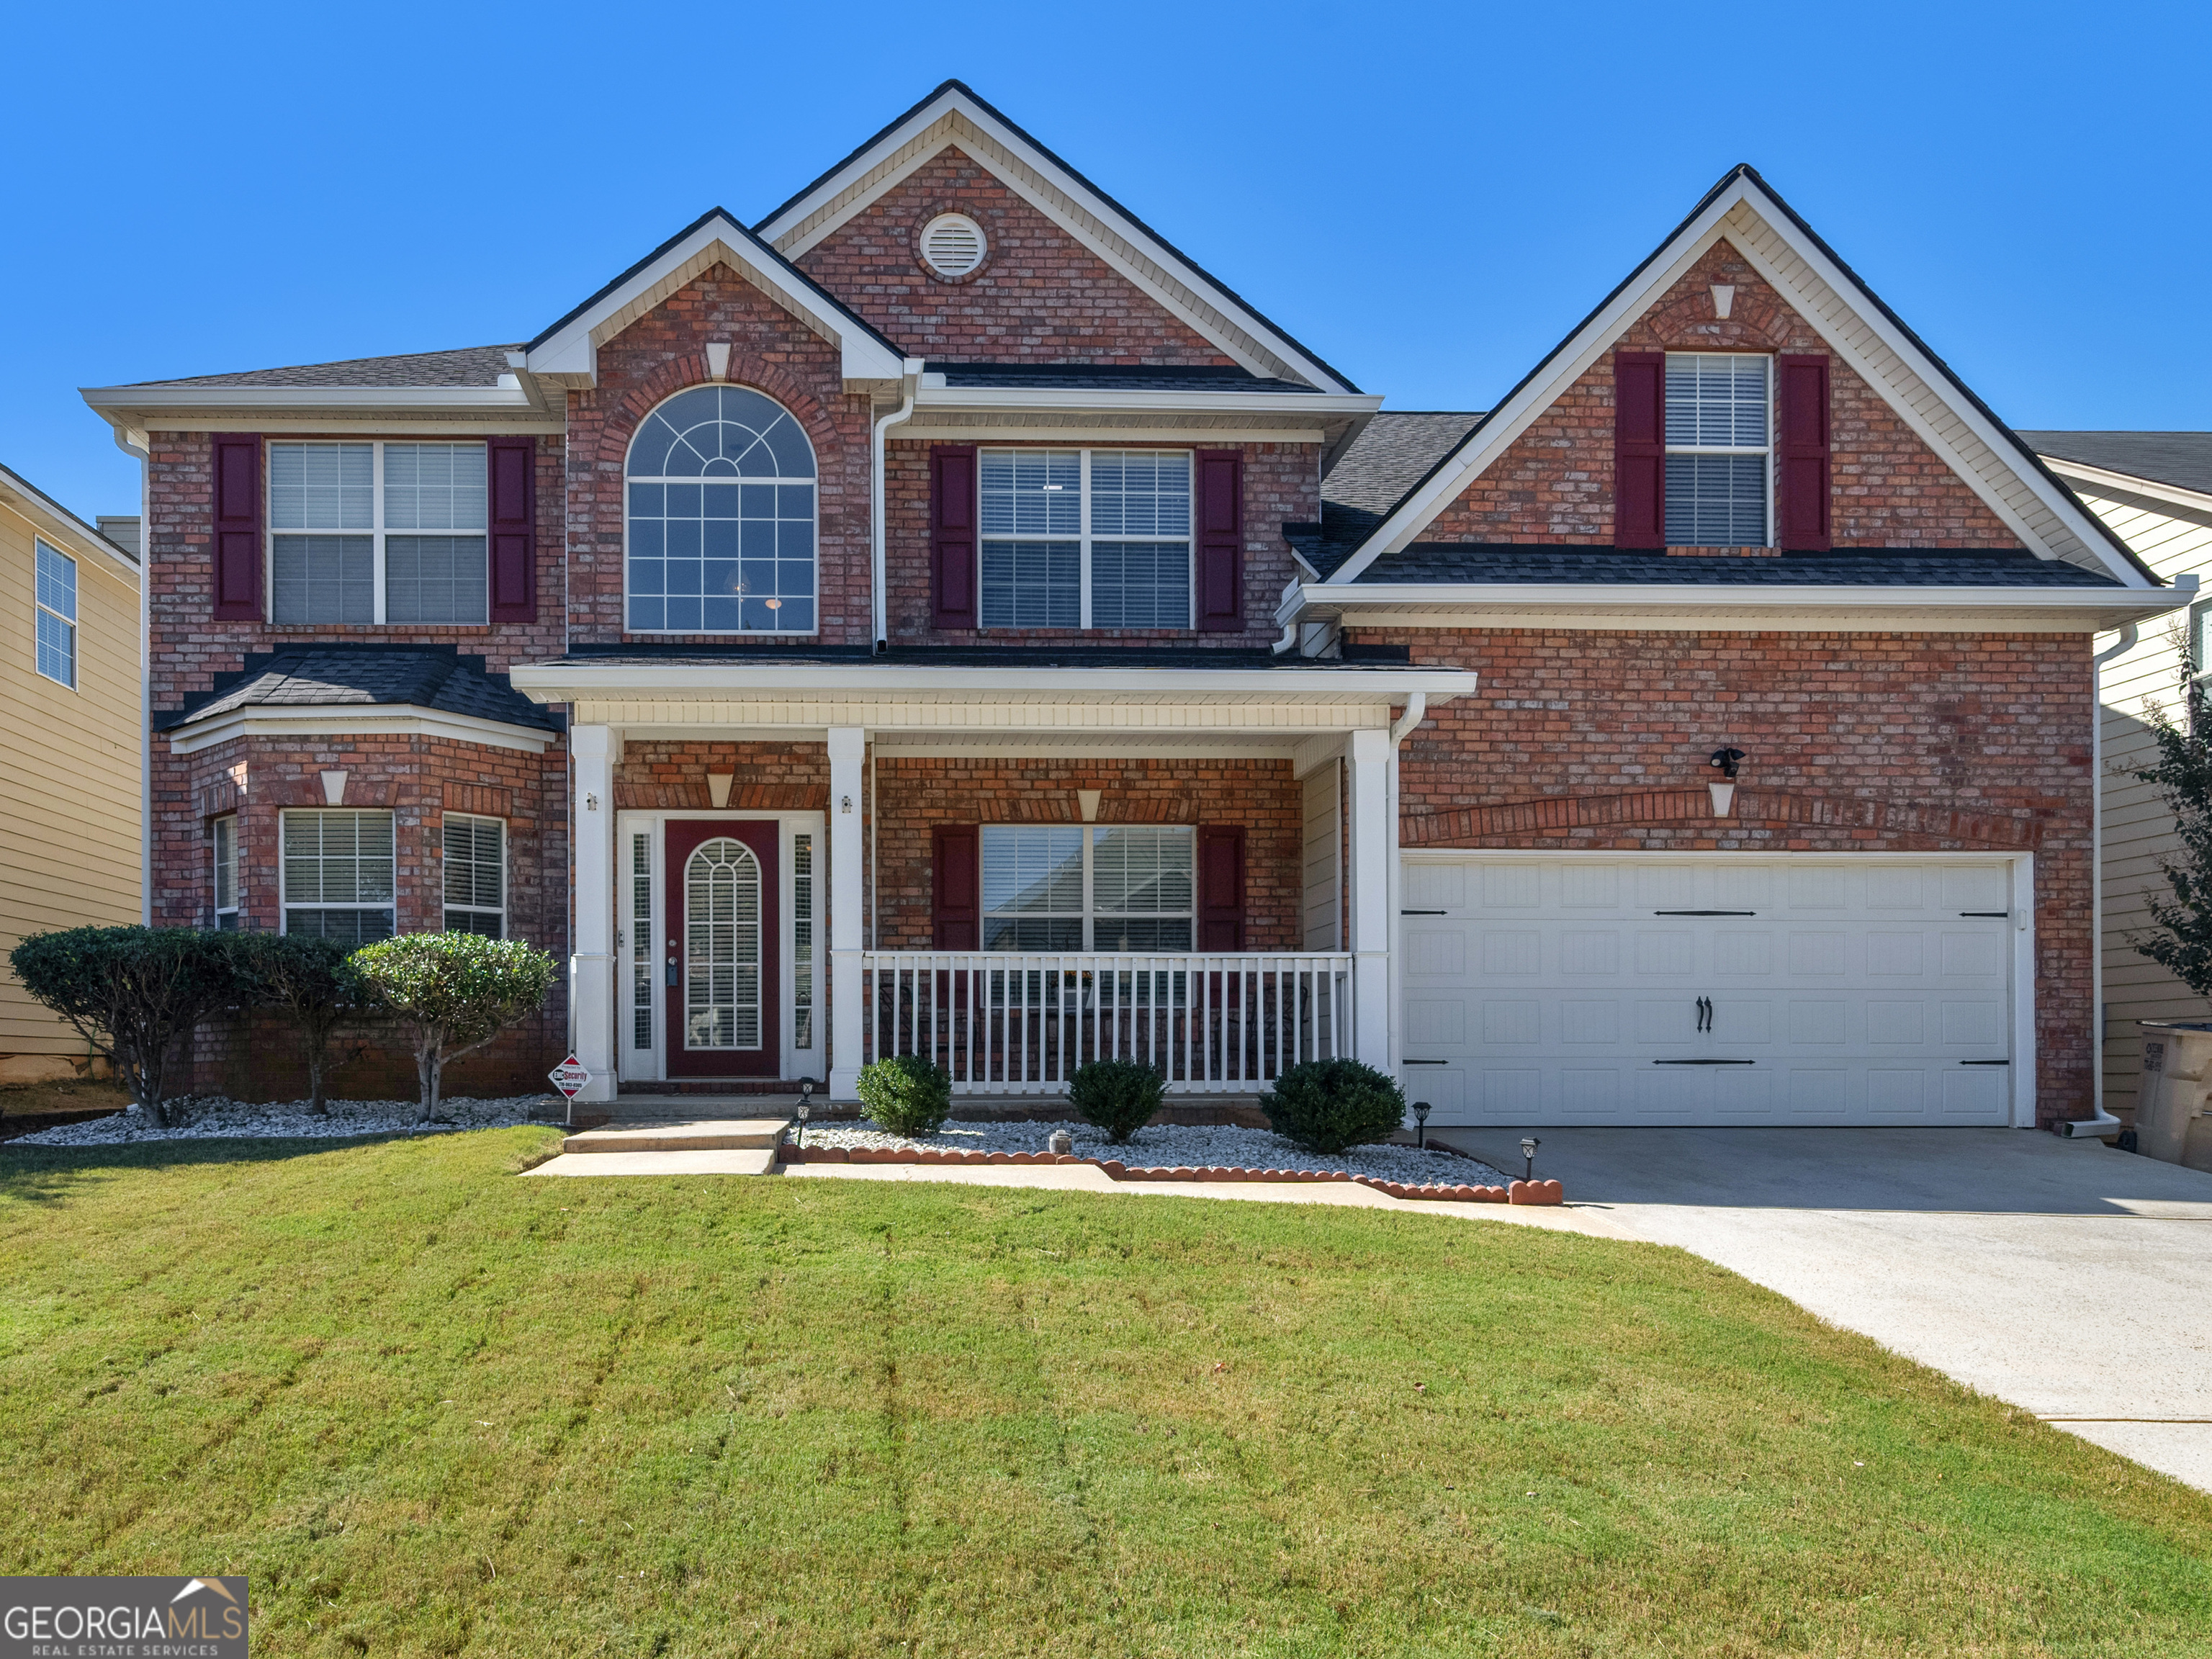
2181,460
1939,407
570,346
954,115
1391,453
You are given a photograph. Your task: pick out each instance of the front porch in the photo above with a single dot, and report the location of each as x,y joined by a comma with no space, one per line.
785,871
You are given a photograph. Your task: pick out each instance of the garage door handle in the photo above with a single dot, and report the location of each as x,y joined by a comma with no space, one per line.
1446,1062
1985,1062
1705,913
1714,1062
1999,914
1423,913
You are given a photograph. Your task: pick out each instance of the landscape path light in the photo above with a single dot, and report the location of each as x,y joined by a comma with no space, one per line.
1421,1122
805,1108
1528,1146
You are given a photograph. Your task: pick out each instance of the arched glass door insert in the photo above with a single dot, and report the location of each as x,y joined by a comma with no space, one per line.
722,947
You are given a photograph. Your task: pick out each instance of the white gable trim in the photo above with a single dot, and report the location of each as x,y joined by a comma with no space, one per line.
2103,479
356,720
955,118
573,350
2030,506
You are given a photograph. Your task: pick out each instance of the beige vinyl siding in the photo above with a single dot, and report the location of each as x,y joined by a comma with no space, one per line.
2173,540
70,847
1323,815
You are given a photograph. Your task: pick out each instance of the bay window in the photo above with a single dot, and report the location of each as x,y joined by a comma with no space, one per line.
336,875
378,533
1079,538
476,875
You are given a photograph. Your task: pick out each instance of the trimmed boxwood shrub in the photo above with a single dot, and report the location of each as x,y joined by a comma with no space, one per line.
1328,1105
1118,1096
906,1094
310,982
452,992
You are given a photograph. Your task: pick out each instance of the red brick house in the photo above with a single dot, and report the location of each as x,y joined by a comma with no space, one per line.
942,616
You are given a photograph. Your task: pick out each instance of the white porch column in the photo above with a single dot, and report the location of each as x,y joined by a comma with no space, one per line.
1374,850
592,969
848,747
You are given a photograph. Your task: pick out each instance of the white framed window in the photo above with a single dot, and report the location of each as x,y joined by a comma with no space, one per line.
55,616
378,533
720,515
642,953
802,940
476,875
1719,449
336,875
226,873
1085,539
1089,887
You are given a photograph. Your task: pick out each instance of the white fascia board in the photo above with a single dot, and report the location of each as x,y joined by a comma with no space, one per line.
1508,422
952,101
1320,404
1492,605
577,682
50,519
575,350
2097,477
352,720
438,399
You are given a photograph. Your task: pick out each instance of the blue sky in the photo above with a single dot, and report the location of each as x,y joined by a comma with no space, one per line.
1428,196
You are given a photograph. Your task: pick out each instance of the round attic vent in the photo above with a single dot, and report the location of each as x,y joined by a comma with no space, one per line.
952,245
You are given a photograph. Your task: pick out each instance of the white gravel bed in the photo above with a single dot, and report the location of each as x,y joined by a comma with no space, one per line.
1167,1145
216,1118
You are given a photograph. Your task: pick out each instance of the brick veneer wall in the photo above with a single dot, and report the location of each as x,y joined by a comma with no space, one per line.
913,796
659,355
766,777
1040,296
1282,485
1983,737
418,780
1554,483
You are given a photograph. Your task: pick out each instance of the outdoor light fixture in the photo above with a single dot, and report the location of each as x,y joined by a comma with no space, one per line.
1726,758
1724,793
1421,1122
805,1106
1528,1146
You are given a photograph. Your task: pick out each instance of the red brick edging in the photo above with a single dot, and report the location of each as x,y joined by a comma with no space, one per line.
1520,1192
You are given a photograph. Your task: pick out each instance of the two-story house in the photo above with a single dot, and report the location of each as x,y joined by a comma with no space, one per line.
942,616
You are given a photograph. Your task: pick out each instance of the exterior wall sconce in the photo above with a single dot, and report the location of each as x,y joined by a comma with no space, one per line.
1723,301
334,788
591,803
844,803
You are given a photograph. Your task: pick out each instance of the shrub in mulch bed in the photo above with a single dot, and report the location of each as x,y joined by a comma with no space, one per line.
1521,1191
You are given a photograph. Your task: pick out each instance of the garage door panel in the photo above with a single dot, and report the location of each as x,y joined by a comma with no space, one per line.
1856,992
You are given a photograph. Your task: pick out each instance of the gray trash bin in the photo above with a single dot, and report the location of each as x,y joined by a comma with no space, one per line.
2175,1093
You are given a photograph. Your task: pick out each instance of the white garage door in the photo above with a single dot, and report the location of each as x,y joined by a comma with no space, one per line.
1573,989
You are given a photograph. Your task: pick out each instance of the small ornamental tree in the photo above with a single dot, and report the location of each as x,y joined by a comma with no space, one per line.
312,983
453,993
2181,939
135,993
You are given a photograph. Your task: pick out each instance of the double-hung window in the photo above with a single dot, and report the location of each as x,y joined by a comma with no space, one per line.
377,532
55,616
1088,887
226,873
1719,449
476,875
337,875
1085,539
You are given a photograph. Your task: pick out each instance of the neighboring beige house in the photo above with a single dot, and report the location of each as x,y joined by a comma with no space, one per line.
2154,489
71,749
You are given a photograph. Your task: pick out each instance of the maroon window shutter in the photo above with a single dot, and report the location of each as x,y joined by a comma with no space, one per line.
511,471
1220,887
238,526
1220,550
1639,449
1800,492
952,539
955,875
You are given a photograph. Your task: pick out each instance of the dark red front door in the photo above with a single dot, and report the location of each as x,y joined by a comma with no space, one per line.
723,986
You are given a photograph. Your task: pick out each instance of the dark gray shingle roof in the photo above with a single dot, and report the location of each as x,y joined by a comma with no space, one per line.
2183,459
1899,566
470,366
1392,453
1113,377
336,677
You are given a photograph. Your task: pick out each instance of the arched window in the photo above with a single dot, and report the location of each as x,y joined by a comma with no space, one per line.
721,516
722,947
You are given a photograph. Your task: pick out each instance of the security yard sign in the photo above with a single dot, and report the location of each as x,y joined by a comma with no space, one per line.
570,1076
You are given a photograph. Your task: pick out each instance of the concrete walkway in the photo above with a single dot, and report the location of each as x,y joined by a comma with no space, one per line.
2063,1277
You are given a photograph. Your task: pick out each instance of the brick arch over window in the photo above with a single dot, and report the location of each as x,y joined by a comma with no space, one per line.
1512,822
626,413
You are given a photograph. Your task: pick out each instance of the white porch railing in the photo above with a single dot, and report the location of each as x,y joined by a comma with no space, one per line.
1008,1022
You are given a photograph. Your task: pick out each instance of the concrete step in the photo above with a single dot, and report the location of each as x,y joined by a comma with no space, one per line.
741,1161
687,1135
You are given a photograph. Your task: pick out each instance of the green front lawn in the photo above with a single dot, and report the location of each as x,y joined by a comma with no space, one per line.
428,1408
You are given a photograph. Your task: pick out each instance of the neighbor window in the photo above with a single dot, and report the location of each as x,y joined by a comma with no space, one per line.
349,541
476,875
721,516
1717,449
1088,887
337,875
226,873
56,610
1085,539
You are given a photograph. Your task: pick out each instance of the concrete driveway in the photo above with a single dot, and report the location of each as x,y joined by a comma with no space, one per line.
2061,1276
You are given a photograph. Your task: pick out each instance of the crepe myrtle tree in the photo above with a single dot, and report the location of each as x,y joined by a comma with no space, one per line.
453,993
2180,938
135,993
